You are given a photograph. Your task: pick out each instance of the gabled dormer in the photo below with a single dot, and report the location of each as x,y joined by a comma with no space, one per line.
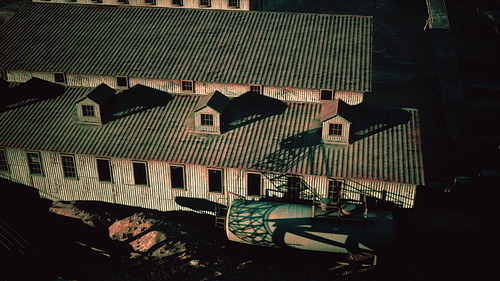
336,122
208,111
89,108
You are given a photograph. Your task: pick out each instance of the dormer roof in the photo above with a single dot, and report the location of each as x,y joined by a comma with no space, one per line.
216,100
100,94
334,108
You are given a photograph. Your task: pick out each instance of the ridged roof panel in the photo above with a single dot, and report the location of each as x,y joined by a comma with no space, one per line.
262,135
242,47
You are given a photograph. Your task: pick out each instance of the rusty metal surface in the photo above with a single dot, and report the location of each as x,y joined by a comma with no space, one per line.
259,133
316,51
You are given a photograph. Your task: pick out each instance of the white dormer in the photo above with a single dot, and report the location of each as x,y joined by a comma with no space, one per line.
89,108
208,111
336,124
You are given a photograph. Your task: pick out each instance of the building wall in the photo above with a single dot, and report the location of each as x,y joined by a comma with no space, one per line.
159,195
216,4
175,86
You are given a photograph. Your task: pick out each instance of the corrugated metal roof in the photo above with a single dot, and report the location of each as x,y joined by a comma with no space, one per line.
334,108
259,133
101,93
216,100
241,47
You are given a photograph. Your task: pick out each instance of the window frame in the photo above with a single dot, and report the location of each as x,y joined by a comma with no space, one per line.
179,2
256,89
329,92
62,78
31,164
209,3
260,193
335,129
69,171
187,86
110,170
135,174
334,188
183,177
125,80
233,3
219,182
4,162
86,109
209,122
294,186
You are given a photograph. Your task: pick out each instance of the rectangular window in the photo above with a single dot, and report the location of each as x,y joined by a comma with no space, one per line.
4,165
97,1
234,3
205,3
254,184
187,86
104,170
140,173
35,163
123,1
255,89
207,120
88,110
177,177
334,187
121,81
294,184
69,166
150,2
177,2
215,181
3,74
59,77
326,95
335,130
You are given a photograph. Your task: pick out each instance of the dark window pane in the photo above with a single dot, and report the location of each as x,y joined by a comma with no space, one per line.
335,130
254,183
34,163
59,77
88,110
215,180
104,170
140,173
187,86
326,95
334,187
177,176
294,187
69,167
122,81
207,120
255,89
4,166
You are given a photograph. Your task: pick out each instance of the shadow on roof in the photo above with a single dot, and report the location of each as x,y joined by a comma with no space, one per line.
132,101
369,121
249,108
33,91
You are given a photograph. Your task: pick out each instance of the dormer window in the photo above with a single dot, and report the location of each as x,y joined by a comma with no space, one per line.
256,89
60,77
187,86
326,95
208,112
207,119
122,81
335,130
88,110
336,118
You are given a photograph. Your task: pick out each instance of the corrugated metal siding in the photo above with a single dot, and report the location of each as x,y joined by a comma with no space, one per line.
315,51
350,97
216,4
